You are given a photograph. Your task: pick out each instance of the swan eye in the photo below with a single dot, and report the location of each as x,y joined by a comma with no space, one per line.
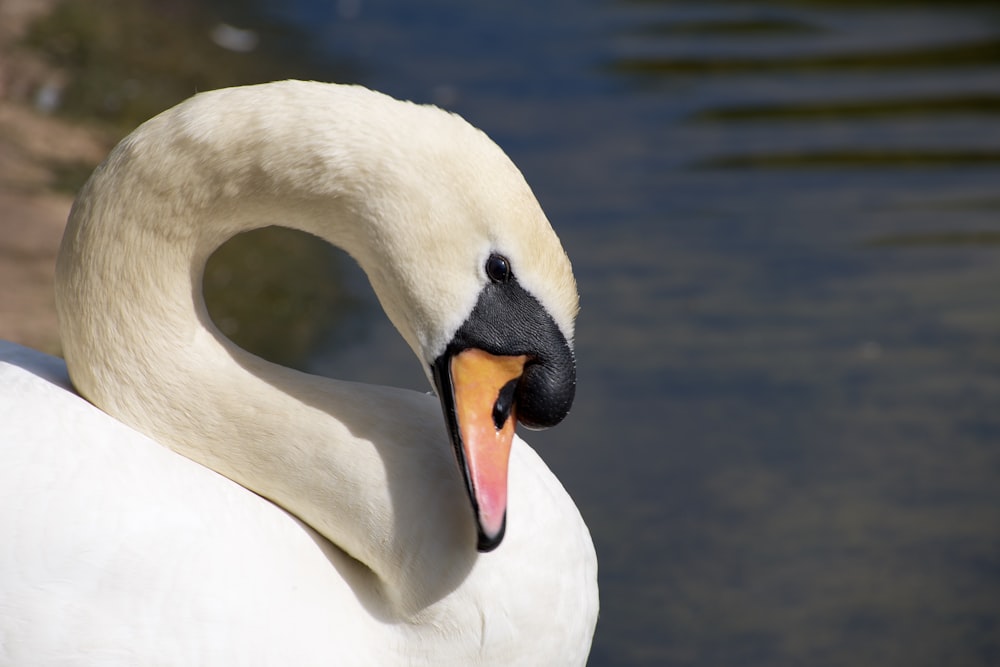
498,268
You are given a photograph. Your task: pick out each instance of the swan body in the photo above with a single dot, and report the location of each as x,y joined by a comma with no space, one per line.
199,505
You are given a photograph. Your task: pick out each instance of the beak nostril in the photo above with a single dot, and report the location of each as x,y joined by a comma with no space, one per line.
504,404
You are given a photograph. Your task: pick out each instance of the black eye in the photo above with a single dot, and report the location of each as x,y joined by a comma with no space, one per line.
498,268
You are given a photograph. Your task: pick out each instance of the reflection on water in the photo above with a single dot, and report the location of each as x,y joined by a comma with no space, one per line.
276,291
830,402
829,304
784,222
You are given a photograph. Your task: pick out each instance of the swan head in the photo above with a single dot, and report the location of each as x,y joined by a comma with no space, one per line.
508,362
470,272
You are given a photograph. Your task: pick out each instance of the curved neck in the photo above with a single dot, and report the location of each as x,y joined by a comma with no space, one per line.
359,464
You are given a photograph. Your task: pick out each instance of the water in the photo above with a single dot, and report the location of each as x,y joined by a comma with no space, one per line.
785,223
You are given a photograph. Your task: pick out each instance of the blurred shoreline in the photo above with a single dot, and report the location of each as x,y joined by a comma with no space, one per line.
76,76
33,144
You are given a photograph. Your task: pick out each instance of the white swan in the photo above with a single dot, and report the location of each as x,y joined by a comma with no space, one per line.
115,550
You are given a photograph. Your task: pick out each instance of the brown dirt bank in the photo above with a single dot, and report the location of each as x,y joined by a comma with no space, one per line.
33,147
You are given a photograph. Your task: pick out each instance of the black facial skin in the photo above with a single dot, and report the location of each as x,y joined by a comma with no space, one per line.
508,321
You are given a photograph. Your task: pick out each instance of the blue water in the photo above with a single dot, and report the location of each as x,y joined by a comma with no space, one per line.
785,224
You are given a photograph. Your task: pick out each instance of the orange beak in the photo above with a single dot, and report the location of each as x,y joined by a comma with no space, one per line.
482,388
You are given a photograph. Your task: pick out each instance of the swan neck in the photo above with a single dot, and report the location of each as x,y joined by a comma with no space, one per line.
140,344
